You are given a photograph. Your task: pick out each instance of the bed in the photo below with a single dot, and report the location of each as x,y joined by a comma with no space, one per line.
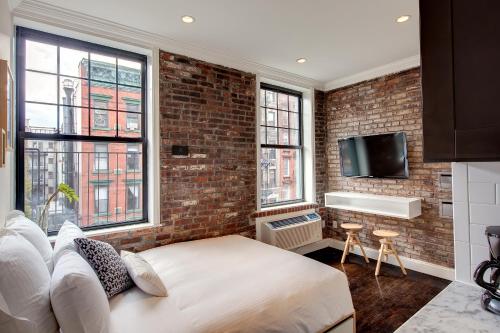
236,284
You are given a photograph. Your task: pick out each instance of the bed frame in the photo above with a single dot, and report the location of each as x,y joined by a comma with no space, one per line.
346,325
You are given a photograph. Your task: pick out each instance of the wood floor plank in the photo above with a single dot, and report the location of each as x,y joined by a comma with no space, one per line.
385,302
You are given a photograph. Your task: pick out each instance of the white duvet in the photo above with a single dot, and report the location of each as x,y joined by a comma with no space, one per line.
234,284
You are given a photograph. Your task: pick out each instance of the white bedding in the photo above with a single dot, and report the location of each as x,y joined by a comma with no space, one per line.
234,284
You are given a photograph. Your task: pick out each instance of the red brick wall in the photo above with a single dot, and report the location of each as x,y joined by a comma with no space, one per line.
211,192
388,104
321,164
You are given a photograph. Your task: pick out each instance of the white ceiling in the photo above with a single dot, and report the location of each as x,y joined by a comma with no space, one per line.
339,38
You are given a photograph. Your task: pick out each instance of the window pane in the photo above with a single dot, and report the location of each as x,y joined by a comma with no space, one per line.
271,99
102,122
294,103
102,68
73,120
129,72
294,137
101,157
41,87
282,101
129,99
73,91
129,125
103,95
281,175
272,118
262,116
283,137
40,118
262,97
41,57
294,120
282,119
263,138
74,62
272,136
134,157
99,173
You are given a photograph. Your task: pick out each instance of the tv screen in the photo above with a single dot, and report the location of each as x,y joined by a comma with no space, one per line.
379,156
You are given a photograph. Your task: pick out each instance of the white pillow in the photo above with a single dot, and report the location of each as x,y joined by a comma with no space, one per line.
25,284
33,234
143,274
64,239
78,299
10,323
12,214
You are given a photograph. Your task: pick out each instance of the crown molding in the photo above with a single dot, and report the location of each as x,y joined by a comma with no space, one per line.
39,12
390,68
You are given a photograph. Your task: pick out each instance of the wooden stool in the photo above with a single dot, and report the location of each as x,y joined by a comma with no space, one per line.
386,248
352,239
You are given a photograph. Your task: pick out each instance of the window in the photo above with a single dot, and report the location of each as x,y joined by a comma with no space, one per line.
281,146
101,200
286,167
133,157
133,198
132,121
74,103
101,119
101,157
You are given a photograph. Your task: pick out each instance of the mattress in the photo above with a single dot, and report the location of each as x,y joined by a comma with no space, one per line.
234,284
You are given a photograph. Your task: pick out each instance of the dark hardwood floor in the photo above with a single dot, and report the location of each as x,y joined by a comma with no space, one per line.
385,302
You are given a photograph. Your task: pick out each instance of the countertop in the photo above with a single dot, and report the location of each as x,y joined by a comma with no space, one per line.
456,309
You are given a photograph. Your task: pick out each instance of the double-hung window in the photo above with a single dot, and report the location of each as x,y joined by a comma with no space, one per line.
281,146
74,104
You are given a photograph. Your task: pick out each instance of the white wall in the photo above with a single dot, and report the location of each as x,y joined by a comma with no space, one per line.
6,173
476,205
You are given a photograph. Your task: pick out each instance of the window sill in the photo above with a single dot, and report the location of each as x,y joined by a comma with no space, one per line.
112,230
292,205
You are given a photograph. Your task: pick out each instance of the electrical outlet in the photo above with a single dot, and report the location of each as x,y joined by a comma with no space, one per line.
334,224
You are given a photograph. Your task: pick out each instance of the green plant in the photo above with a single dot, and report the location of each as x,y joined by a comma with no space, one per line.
66,190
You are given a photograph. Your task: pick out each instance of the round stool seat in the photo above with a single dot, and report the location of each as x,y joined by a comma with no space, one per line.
385,233
351,226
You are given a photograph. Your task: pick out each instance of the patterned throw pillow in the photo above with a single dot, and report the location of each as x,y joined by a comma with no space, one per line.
107,264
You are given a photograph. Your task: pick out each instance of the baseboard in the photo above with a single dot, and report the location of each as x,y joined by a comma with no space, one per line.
410,263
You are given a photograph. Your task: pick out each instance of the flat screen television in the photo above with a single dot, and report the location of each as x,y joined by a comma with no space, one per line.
377,156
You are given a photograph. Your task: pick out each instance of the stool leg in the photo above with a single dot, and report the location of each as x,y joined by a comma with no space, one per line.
397,258
379,261
362,249
346,248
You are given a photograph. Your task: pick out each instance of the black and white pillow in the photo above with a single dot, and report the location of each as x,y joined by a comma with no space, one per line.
107,264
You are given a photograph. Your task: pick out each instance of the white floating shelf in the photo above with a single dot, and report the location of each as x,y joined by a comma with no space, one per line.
400,207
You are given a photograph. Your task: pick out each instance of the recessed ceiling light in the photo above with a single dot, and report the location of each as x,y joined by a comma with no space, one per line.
187,19
301,60
403,18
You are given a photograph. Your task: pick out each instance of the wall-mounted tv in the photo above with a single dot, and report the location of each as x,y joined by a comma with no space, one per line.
377,156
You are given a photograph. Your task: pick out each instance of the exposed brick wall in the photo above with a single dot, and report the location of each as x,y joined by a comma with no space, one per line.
320,137
211,192
388,104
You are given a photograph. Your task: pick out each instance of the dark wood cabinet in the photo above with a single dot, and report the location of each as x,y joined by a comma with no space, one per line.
460,53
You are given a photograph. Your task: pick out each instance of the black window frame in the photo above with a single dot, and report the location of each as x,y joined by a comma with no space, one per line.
300,146
22,35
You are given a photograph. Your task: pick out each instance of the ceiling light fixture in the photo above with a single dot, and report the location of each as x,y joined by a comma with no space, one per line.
187,19
301,60
403,18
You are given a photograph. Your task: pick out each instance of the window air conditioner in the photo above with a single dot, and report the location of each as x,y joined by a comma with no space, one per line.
293,232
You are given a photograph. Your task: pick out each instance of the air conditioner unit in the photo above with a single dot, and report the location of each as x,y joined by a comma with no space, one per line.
293,232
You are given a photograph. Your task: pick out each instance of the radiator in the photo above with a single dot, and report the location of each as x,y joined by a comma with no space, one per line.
293,232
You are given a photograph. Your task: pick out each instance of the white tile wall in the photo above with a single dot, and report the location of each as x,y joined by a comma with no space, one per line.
476,204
